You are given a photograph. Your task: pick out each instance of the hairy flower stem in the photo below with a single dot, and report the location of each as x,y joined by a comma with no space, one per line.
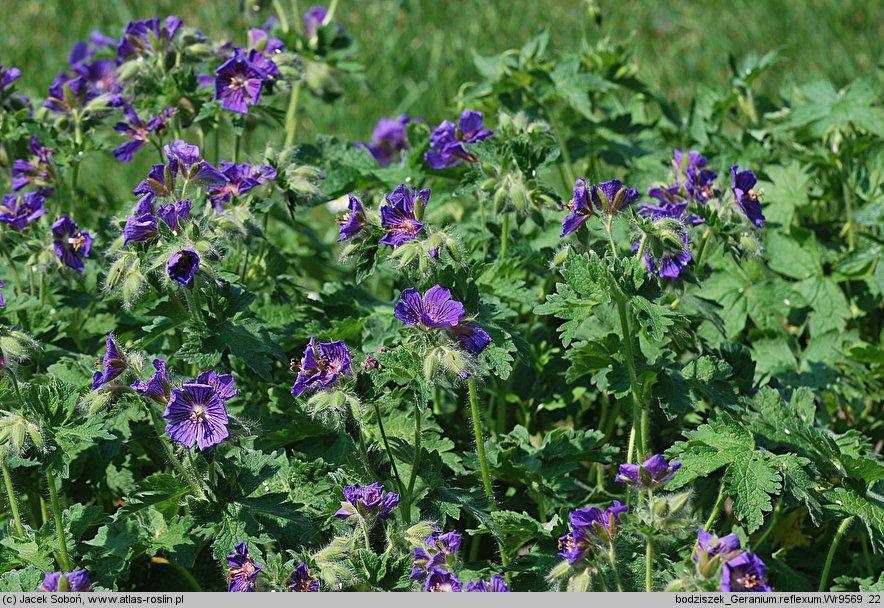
824,579
610,232
283,18
158,426
612,559
704,244
10,495
483,460
848,210
291,116
719,502
641,247
377,411
59,526
504,236
364,527
415,465
649,553
237,137
637,407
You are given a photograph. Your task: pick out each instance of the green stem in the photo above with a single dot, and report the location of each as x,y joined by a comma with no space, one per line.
480,444
649,553
236,143
831,556
719,502
15,274
330,15
504,236
637,406
770,527
641,247
704,244
364,533
283,18
10,494
59,526
848,206
563,148
417,452
609,230
399,485
194,486
291,116
15,387
501,407
186,575
613,561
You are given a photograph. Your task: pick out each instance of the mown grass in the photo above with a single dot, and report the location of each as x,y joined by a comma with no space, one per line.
417,53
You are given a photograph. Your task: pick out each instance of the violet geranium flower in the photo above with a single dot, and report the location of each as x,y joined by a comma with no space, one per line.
313,19
242,569
183,265
651,474
614,197
2,304
238,83
74,582
69,94
580,209
434,310
36,171
71,244
238,180
222,383
367,502
137,131
138,35
442,581
603,525
745,572
699,180
745,195
711,551
353,221
19,210
174,214
139,229
185,160
114,363
441,550
301,581
388,140
574,545
447,140
7,77
321,366
498,585
399,215
159,387
197,415
673,257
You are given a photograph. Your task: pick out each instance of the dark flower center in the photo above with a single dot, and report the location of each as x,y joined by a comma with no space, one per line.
197,415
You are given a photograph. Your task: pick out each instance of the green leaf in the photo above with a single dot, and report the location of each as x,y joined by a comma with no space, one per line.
710,447
25,580
751,479
791,258
584,289
785,191
869,509
830,307
574,86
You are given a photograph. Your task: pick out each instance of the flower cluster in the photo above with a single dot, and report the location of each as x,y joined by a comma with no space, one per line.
590,527
74,582
740,571
439,551
649,475
323,363
367,502
447,140
388,140
436,310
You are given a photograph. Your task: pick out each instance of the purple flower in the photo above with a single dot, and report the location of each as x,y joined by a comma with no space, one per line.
160,183
114,363
435,309
603,525
614,197
671,206
185,159
652,473
74,582
237,181
139,229
498,585
353,221
321,366
745,572
261,173
196,414
71,244
137,36
174,214
19,210
238,83
574,545
7,77
388,140
747,198
102,78
67,95
711,547
182,265
399,214
35,171
313,19
579,207
442,581
242,572
2,303
222,383
260,40
137,131
447,141
474,338
441,551
672,258
158,388
699,184
301,581
367,501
